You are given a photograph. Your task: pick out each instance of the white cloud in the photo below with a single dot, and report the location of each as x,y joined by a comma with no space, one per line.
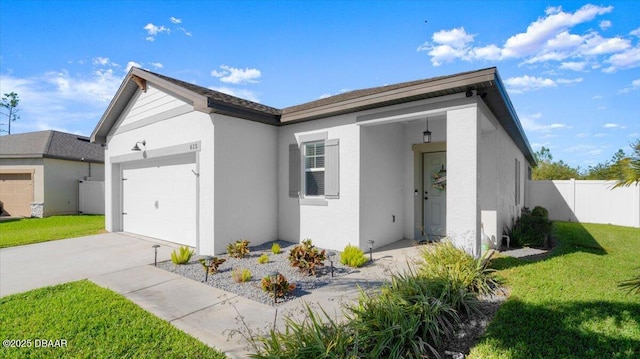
131,64
582,135
237,76
157,65
457,37
624,60
569,81
634,135
242,93
545,29
573,66
548,39
102,61
613,125
153,31
527,83
530,123
61,100
597,97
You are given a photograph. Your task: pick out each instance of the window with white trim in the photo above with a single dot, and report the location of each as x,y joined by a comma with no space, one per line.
314,169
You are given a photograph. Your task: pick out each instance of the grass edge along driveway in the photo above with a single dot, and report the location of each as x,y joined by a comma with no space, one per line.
95,323
569,305
35,230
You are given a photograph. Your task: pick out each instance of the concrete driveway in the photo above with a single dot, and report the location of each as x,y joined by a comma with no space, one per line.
38,265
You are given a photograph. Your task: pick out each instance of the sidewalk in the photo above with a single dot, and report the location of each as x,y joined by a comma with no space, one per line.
212,315
124,264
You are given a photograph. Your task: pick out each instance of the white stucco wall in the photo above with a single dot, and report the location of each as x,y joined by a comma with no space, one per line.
161,131
246,167
61,184
335,225
463,209
382,175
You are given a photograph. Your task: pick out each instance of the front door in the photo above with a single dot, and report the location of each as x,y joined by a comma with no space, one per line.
435,195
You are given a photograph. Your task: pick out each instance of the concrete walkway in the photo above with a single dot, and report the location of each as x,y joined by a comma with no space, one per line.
124,264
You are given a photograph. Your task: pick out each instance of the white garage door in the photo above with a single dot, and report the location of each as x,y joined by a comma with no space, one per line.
159,198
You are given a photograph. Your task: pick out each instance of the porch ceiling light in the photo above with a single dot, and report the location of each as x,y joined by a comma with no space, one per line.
137,148
426,135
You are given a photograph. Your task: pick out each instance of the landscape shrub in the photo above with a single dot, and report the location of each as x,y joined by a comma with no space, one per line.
317,336
539,211
447,262
275,248
530,230
352,256
238,249
306,257
263,259
282,287
181,255
213,267
241,275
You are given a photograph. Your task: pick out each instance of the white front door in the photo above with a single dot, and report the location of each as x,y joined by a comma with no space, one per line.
434,195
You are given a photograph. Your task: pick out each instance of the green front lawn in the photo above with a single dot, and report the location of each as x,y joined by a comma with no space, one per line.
569,305
35,230
95,323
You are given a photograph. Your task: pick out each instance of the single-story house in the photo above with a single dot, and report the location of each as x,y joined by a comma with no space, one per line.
40,172
194,166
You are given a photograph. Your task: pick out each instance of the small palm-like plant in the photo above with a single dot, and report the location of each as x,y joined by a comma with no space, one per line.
181,255
306,257
280,286
215,263
238,249
632,174
633,285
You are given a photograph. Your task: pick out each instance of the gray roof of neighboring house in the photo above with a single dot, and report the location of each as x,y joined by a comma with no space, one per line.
485,81
51,144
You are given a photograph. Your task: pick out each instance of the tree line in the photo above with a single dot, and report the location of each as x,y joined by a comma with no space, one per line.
621,167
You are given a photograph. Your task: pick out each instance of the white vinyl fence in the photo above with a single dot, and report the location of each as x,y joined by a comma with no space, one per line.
587,201
91,197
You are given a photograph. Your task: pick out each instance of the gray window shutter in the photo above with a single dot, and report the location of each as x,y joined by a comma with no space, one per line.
294,171
331,168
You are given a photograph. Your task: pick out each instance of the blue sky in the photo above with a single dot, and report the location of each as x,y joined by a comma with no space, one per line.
572,69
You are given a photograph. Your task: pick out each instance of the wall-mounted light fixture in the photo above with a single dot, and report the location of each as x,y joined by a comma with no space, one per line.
137,148
426,135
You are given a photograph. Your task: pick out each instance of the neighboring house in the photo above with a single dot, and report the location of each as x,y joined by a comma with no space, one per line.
214,168
40,172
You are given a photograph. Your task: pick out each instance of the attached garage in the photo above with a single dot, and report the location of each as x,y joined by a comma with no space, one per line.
16,192
159,198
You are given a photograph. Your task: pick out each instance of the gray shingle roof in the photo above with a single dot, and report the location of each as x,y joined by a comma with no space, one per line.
219,96
51,144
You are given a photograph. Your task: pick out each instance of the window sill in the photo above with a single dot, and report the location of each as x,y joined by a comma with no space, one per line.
313,202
